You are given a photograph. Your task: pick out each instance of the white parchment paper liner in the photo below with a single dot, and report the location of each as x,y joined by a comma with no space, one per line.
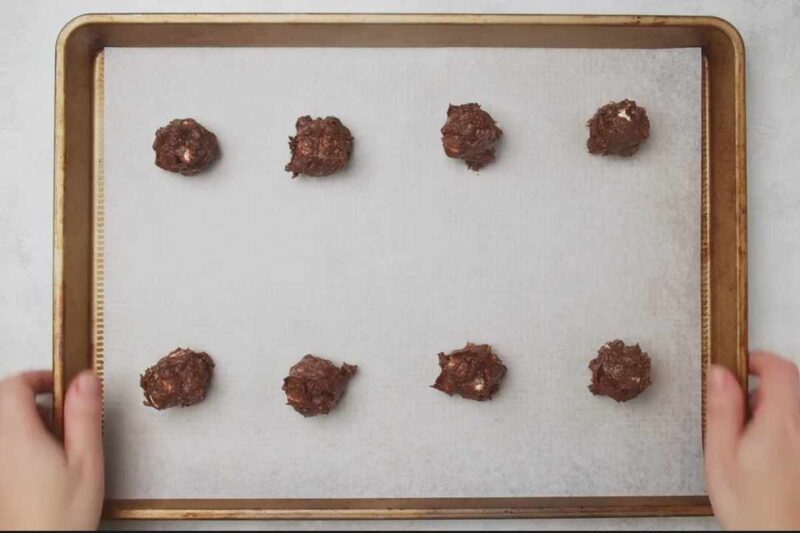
546,254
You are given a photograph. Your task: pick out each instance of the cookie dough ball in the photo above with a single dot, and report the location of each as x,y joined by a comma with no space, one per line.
185,147
470,133
474,372
620,371
321,147
181,378
618,128
315,385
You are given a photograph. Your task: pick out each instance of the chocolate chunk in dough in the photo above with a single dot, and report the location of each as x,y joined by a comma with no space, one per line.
181,378
470,133
185,147
474,372
618,128
321,147
315,385
620,371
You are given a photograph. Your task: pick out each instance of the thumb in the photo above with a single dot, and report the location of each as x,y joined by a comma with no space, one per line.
724,422
83,438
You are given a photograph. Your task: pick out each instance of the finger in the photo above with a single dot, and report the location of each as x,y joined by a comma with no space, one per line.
779,382
83,440
44,406
31,382
752,401
724,424
18,398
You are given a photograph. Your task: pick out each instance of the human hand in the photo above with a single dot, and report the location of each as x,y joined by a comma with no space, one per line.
44,485
753,468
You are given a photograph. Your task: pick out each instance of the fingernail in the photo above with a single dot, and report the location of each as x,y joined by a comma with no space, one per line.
717,377
88,385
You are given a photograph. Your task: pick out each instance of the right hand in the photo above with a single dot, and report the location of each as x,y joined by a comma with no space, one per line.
753,467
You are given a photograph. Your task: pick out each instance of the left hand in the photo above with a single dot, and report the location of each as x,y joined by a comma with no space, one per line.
43,484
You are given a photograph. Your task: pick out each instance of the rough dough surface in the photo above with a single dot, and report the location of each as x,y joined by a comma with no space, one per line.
618,128
314,385
470,133
180,378
321,147
186,147
620,371
473,372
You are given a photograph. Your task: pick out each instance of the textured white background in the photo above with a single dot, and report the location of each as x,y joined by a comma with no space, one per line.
28,29
546,254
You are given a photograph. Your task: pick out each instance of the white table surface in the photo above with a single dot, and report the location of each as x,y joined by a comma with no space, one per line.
28,30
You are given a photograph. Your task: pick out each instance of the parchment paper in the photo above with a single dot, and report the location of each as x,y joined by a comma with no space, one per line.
546,254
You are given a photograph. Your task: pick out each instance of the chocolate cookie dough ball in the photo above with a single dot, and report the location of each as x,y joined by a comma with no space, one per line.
620,371
181,378
470,133
321,147
185,147
474,372
315,385
618,128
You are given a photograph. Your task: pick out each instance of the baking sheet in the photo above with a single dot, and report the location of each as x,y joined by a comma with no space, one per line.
546,254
